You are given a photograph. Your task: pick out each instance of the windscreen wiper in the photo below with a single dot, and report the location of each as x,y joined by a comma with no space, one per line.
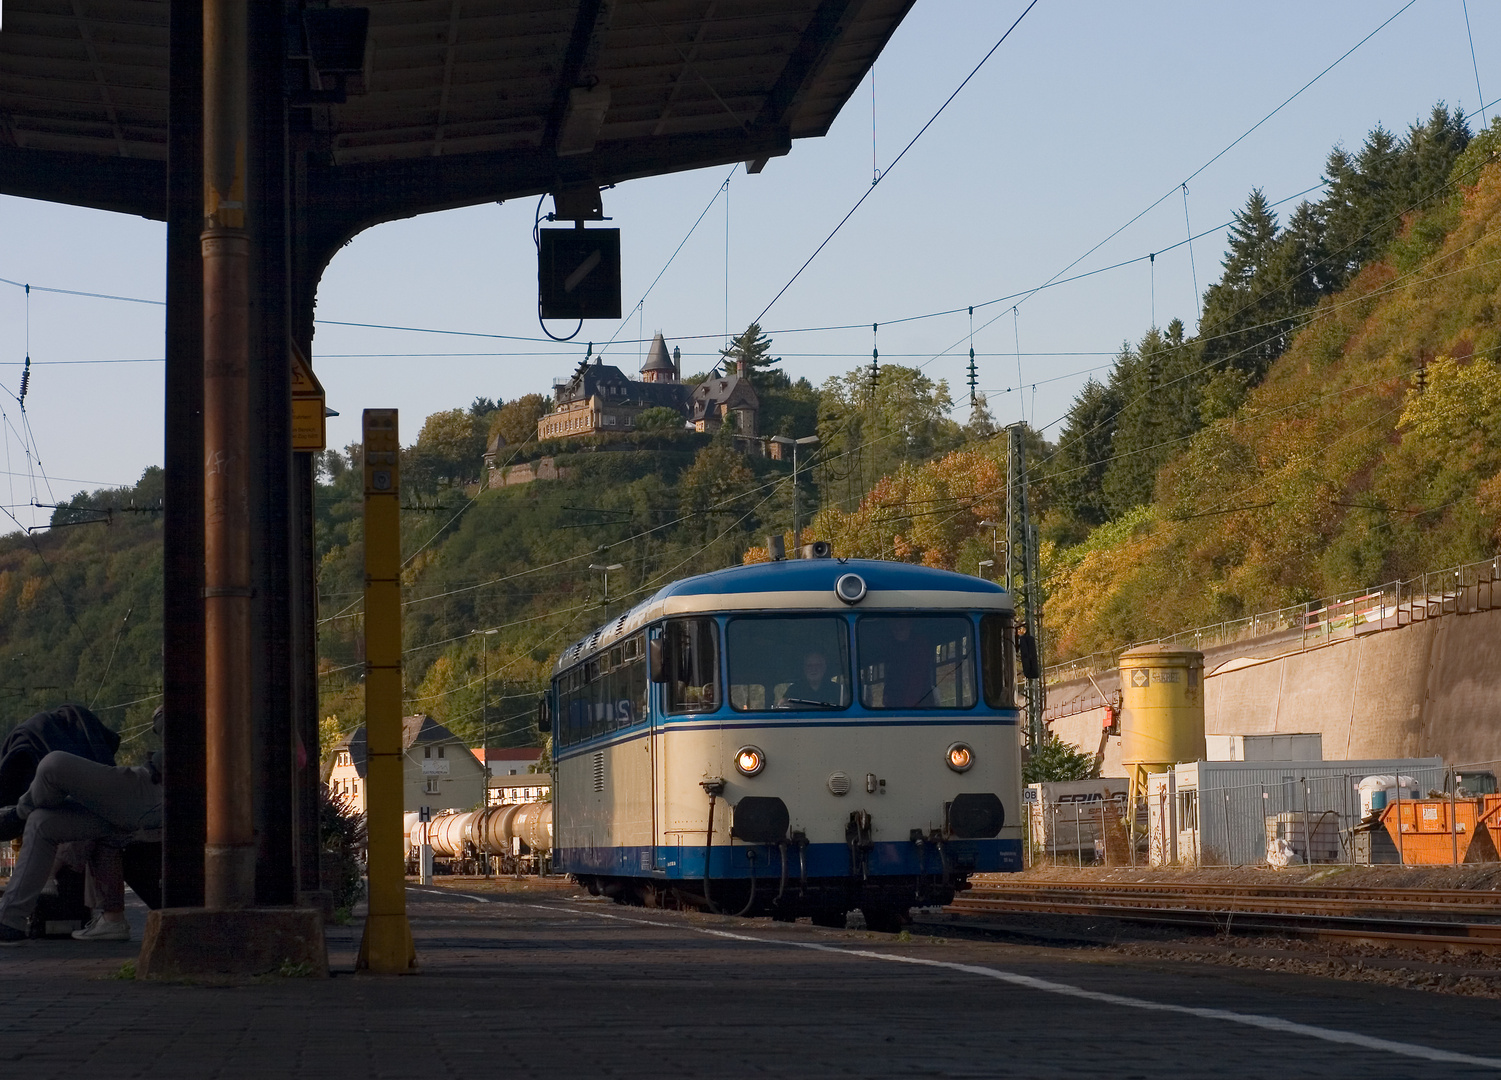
804,701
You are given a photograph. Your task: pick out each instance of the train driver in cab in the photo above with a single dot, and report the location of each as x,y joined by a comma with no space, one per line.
813,689
907,667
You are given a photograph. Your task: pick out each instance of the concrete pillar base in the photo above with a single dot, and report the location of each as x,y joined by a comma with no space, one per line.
321,900
185,943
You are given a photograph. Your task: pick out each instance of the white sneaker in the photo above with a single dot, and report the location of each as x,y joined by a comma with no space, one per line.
102,929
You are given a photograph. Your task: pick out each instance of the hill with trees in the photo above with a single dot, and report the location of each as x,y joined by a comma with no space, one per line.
1336,423
1292,452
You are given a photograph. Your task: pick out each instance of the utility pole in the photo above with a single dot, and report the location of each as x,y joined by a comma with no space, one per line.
1022,572
484,636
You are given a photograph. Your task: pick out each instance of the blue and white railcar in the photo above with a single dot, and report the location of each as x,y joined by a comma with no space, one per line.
793,738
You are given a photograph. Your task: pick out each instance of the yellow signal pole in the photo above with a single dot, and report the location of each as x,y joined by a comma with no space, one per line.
387,944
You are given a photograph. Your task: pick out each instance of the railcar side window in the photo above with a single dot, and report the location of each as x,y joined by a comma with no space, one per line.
633,681
997,664
606,692
799,663
692,665
574,706
916,662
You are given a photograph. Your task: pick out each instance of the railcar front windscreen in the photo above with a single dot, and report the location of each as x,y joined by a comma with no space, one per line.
788,663
916,662
691,663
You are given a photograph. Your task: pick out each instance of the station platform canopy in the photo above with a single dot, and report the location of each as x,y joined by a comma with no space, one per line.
352,115
455,102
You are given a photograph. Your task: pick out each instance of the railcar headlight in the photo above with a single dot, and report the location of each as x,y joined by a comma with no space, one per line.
850,588
959,757
750,760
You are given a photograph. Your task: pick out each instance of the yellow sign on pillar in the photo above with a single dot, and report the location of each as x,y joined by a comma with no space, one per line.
387,945
309,431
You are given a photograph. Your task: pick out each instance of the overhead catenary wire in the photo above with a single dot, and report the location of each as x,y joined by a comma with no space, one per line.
1196,172
894,161
833,327
112,653
1399,282
1308,316
722,189
1475,66
1198,300
1233,144
1024,294
770,484
1024,14
970,502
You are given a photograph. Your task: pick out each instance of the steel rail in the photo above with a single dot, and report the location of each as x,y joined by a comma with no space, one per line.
1251,918
1461,897
1264,905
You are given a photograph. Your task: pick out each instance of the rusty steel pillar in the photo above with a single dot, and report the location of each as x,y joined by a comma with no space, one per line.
271,498
246,849
229,850
182,532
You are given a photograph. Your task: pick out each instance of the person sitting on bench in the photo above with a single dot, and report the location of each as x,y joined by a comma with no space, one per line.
72,798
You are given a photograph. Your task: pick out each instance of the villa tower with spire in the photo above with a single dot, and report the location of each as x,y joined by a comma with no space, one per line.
600,399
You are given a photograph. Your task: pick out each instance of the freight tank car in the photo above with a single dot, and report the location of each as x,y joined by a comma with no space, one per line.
519,835
792,738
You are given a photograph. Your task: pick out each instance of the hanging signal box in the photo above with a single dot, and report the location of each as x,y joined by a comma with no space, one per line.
578,273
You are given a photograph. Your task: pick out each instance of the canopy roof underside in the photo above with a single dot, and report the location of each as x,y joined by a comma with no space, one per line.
461,77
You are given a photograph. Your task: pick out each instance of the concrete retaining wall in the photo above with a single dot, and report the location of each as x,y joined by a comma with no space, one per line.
1433,687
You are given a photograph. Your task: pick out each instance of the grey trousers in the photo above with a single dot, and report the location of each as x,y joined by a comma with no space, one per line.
72,798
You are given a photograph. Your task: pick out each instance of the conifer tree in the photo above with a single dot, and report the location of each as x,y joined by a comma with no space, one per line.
1077,469
751,355
1247,312
1159,385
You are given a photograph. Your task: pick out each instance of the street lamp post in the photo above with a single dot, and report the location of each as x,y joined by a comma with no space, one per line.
783,440
1003,574
607,569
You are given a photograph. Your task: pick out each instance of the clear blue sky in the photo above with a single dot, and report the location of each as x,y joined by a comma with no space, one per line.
1086,116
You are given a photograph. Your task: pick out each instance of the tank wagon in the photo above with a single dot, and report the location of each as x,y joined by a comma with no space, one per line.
796,738
517,834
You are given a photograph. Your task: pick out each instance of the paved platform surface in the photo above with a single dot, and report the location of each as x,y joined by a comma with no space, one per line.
549,984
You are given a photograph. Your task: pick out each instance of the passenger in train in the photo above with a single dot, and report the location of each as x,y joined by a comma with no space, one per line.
813,688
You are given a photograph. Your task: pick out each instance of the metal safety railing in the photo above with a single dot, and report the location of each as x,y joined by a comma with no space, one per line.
1457,590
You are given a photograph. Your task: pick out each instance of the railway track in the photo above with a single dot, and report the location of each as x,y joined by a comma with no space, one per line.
1452,919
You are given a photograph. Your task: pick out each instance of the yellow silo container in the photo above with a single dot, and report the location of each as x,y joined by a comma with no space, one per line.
1162,710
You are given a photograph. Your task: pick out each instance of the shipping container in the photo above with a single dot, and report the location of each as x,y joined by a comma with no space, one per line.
1289,747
